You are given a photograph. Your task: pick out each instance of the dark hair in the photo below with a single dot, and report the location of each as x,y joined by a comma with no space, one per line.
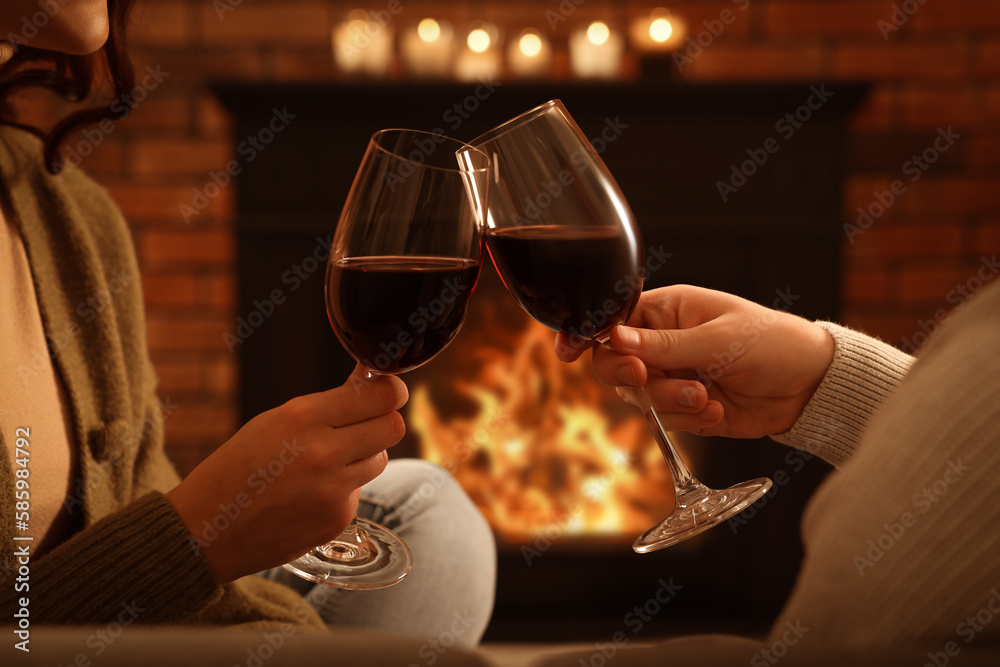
72,77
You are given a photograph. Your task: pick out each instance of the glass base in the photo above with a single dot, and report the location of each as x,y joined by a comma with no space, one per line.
373,557
698,511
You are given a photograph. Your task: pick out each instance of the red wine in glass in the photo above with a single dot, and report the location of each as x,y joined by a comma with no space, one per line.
395,313
579,280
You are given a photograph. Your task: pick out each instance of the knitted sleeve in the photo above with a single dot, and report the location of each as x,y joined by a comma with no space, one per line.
137,561
863,373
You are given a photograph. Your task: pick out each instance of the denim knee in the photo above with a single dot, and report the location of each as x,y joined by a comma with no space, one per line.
410,488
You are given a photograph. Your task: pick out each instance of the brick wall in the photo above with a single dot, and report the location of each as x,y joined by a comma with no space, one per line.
935,65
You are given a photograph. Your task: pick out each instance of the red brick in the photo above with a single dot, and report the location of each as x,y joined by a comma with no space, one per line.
984,150
108,159
159,112
163,249
852,17
212,118
186,373
865,286
178,376
986,238
957,15
163,157
893,241
877,112
890,327
81,147
149,203
173,290
222,375
987,59
934,285
927,107
154,71
202,423
164,24
993,103
696,15
756,63
896,61
859,192
175,333
952,194
293,23
194,68
217,291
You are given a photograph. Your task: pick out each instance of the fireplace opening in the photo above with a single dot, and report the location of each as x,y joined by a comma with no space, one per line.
566,472
539,446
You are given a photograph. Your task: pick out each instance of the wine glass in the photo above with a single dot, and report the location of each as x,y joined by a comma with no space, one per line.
403,264
568,249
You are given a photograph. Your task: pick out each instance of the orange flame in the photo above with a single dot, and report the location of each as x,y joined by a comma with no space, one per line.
541,450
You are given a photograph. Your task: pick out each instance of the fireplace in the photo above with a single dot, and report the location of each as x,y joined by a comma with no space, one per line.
567,473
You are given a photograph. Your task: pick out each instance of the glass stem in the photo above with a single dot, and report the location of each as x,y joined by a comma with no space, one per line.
688,489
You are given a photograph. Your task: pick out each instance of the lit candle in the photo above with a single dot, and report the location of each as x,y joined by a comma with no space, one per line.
596,52
530,55
427,48
659,31
361,44
480,60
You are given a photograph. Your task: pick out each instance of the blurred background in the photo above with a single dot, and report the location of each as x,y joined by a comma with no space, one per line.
252,115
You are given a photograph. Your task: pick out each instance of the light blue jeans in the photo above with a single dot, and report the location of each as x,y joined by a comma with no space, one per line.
447,598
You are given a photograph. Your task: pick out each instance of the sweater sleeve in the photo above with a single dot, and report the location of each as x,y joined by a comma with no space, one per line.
863,373
138,558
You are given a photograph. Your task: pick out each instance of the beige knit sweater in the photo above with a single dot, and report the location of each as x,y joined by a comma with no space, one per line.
903,542
131,550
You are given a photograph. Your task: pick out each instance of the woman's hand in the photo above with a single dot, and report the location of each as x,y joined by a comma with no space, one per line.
713,363
289,479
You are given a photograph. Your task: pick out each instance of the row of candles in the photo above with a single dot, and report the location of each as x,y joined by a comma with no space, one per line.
364,43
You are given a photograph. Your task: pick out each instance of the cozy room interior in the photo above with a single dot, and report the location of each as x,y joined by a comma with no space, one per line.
677,98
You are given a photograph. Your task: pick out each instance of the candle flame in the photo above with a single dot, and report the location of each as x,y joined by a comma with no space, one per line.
530,45
429,30
598,33
479,40
660,30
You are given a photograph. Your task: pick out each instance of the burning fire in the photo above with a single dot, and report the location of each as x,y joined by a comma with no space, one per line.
538,448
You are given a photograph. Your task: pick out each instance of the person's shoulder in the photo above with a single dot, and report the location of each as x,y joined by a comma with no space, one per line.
21,155
69,198
975,316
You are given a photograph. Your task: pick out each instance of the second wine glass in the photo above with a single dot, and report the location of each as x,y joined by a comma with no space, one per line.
567,247
404,262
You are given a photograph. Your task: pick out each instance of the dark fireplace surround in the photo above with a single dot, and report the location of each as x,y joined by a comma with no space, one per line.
744,194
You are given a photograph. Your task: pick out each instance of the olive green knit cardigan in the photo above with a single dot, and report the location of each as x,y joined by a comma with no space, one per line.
130,549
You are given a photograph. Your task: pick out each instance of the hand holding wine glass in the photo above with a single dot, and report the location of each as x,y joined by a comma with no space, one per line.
403,265
289,476
682,332
568,249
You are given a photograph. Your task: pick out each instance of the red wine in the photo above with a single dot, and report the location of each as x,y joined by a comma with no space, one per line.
578,280
395,313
